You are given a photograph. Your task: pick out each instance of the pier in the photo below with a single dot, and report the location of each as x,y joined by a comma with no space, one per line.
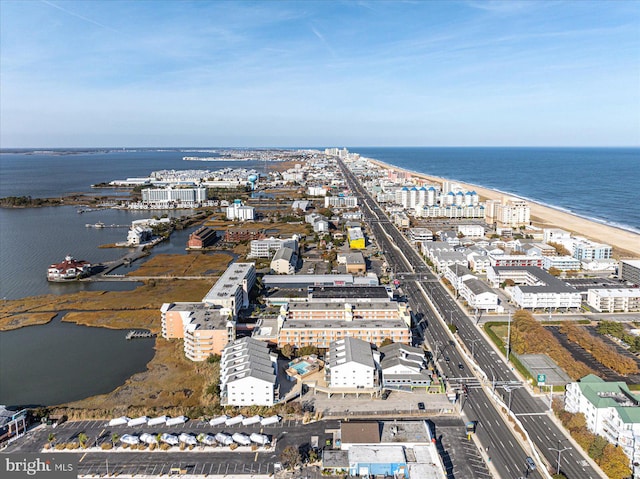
137,334
102,225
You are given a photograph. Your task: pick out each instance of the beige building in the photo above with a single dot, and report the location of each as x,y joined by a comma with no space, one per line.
317,323
205,330
509,212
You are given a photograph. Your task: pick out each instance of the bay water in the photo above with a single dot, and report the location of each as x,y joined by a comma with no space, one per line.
61,362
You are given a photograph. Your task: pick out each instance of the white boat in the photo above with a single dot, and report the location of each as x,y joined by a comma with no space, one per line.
218,421
187,439
119,421
261,439
148,438
169,439
130,439
207,439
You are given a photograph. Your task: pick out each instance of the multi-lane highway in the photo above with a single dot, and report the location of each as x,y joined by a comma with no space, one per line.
507,454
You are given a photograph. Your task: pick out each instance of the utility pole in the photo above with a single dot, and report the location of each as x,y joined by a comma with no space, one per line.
560,451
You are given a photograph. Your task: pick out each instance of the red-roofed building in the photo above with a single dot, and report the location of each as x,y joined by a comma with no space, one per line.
69,269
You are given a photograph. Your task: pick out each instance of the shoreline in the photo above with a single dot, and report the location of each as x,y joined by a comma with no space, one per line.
625,242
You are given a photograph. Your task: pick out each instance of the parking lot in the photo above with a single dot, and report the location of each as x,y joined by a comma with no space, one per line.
201,460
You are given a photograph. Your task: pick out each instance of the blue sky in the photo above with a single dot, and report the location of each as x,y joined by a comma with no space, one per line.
358,73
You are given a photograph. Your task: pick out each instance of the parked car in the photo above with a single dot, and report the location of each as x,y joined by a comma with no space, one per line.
421,406
460,366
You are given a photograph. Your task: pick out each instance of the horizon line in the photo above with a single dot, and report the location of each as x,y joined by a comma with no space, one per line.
306,147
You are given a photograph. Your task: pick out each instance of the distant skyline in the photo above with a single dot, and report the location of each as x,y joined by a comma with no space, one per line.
301,73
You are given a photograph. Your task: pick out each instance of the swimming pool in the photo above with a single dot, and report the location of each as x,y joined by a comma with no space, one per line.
302,367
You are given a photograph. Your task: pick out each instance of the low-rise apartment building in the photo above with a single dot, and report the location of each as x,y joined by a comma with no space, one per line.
284,261
535,288
404,367
349,364
248,374
267,247
623,300
611,410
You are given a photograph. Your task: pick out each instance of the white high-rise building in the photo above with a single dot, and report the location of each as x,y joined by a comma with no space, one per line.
238,211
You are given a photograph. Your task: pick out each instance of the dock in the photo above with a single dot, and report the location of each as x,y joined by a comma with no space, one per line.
137,334
102,225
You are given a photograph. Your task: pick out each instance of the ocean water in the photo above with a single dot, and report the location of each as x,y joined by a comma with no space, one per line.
602,184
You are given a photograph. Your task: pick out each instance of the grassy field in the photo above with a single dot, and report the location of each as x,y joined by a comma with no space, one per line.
192,264
112,309
16,321
170,381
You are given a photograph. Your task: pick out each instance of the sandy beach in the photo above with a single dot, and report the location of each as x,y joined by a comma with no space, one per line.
625,243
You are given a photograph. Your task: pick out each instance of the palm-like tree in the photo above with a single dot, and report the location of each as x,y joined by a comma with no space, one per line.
114,439
82,439
52,438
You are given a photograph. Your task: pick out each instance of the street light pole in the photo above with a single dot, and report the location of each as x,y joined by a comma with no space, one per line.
509,339
560,451
473,347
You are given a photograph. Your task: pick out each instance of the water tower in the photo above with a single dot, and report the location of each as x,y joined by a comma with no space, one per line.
252,179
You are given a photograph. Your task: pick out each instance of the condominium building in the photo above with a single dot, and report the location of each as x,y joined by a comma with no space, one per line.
318,321
139,234
248,374
479,295
623,300
238,211
535,288
584,249
284,261
169,196
340,201
451,211
471,231
630,270
266,248
232,288
563,263
509,212
206,330
611,410
404,367
420,235
349,364
515,260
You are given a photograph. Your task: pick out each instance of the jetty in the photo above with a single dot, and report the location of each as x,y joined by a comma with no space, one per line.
138,334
